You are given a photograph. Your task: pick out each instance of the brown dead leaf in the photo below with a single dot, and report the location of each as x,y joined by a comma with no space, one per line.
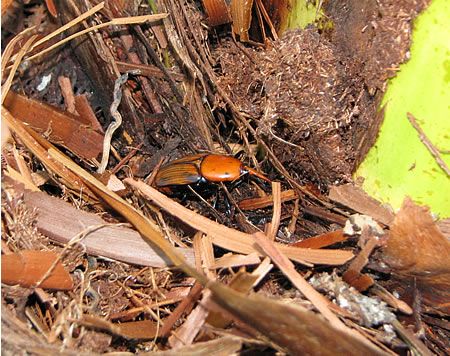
357,199
417,248
415,243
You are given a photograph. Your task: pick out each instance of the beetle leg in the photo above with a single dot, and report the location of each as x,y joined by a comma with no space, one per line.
234,184
227,200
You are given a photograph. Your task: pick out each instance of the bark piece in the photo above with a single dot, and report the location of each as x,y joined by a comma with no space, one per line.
28,269
61,222
322,240
61,127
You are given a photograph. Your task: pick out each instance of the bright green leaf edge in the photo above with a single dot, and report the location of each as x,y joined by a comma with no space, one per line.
304,13
399,165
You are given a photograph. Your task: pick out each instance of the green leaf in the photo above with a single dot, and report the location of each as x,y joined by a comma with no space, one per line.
399,164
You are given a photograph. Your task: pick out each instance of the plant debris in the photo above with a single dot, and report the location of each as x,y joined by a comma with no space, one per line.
96,260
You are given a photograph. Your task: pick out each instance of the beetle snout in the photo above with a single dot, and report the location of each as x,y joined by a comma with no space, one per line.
257,174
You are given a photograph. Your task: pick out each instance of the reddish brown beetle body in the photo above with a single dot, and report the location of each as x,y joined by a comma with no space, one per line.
203,168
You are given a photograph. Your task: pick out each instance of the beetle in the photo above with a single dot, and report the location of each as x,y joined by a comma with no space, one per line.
203,168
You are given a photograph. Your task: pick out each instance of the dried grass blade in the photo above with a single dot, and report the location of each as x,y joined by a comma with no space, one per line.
70,24
16,176
276,215
287,267
18,60
10,47
235,240
146,228
233,260
118,21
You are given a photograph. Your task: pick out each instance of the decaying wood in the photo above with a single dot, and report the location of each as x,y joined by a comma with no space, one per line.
29,269
62,128
61,222
98,61
38,146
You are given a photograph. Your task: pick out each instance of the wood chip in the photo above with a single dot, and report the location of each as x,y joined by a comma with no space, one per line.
29,267
85,113
61,127
39,147
67,93
186,303
141,329
353,274
232,260
323,240
186,333
263,202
